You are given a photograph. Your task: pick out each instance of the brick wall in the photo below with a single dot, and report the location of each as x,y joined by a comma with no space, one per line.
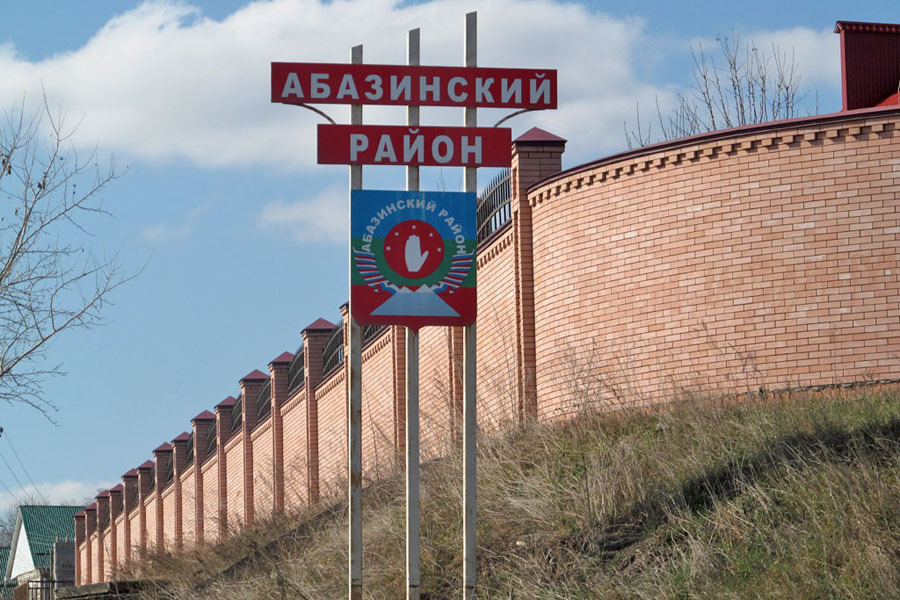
210,499
295,459
378,443
188,511
760,257
332,408
262,469
763,259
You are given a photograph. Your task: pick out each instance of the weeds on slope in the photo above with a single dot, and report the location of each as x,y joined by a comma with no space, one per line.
797,498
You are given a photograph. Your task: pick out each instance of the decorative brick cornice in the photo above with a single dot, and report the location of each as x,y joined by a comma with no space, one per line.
709,145
794,133
336,379
498,245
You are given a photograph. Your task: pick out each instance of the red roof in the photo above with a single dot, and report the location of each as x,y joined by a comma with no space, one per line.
319,325
147,464
229,401
538,135
892,100
131,473
117,488
284,357
164,447
255,375
103,494
205,416
182,437
92,506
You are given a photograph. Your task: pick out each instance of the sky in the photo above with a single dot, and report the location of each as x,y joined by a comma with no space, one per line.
236,238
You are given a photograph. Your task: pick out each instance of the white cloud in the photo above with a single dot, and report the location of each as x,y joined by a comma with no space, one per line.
62,492
163,82
322,218
167,232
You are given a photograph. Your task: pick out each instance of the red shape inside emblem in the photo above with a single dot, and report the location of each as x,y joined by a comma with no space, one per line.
413,249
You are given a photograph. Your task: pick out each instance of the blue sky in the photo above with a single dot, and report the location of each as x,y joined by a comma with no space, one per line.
238,236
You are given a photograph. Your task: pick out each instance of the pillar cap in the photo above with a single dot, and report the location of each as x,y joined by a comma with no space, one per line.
91,506
131,473
182,437
117,488
164,447
281,359
320,325
80,514
254,375
147,464
536,135
103,494
227,402
204,416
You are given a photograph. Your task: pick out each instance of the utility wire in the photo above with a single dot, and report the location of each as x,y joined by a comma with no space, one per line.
3,458
21,464
9,491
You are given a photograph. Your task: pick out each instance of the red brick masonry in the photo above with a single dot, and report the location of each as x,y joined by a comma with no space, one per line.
764,257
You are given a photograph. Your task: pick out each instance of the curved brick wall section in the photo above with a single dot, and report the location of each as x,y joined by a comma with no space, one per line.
761,257
765,258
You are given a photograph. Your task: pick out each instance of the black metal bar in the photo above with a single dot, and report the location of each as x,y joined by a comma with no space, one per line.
296,372
494,208
211,441
237,413
189,451
333,355
264,401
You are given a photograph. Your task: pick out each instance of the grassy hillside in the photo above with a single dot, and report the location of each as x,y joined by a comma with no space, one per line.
794,497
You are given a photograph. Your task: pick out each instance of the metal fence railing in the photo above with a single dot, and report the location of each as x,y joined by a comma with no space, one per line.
494,208
211,440
296,372
333,354
237,413
264,402
189,451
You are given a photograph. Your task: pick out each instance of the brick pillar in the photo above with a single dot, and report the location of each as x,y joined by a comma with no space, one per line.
201,424
90,527
398,360
223,432
115,510
79,544
103,523
162,455
145,488
278,371
179,455
131,499
315,337
536,155
251,384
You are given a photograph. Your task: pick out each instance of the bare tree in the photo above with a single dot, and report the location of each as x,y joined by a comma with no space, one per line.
740,85
51,280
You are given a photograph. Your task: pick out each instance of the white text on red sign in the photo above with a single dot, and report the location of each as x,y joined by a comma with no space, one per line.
436,146
335,83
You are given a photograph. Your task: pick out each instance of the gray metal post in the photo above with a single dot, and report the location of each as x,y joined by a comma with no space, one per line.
413,574
354,421
469,420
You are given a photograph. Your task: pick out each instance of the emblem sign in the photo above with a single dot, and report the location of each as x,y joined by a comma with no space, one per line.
412,258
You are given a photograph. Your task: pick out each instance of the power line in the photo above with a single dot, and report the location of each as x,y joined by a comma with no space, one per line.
3,458
21,464
9,491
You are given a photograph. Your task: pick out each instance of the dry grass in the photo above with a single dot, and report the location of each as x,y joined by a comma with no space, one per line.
793,498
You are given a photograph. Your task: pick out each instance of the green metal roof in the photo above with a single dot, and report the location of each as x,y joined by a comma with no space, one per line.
44,525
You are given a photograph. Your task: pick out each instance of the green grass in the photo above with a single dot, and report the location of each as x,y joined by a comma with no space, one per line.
797,497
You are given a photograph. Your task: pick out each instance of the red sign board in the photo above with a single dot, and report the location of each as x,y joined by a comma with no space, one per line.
433,146
336,83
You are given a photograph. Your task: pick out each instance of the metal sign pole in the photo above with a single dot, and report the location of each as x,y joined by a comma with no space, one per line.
354,417
469,421
413,575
